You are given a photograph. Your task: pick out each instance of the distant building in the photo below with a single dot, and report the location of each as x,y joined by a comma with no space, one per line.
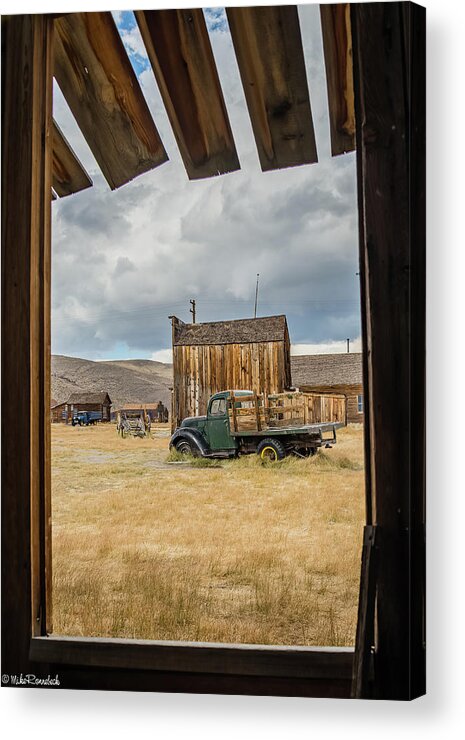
336,373
252,354
157,411
59,412
100,402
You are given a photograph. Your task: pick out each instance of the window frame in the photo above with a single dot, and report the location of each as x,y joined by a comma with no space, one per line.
26,514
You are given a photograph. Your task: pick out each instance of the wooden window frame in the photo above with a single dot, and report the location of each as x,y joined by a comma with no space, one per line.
392,580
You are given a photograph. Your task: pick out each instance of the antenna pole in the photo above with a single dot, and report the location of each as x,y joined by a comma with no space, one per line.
256,297
192,310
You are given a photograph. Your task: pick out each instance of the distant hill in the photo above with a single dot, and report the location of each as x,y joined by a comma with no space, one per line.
127,381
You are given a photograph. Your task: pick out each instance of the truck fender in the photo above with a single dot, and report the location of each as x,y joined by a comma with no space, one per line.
193,436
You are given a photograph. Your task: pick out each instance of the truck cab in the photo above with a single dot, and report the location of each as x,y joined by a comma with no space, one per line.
215,426
218,423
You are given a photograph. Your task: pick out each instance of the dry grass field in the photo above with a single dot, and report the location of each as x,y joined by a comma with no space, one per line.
238,551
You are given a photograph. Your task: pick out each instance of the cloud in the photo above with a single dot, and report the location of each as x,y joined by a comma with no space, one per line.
325,348
162,355
216,19
123,266
124,261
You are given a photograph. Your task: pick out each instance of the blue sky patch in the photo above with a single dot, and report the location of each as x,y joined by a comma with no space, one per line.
127,26
216,19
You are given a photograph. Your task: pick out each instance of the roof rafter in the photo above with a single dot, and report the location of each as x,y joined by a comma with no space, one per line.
337,45
102,90
269,51
181,56
69,176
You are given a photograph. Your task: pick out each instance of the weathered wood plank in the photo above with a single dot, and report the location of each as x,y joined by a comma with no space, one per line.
269,52
362,668
390,139
287,409
102,90
69,176
181,56
337,46
252,660
26,203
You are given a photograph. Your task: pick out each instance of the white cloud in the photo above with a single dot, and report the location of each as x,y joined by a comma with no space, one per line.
326,348
162,355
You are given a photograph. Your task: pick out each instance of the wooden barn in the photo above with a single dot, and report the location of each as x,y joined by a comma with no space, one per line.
99,401
157,411
335,373
249,354
59,413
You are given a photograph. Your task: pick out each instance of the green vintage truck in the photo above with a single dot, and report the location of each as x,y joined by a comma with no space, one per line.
241,422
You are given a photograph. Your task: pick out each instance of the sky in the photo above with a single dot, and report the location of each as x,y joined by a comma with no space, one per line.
123,261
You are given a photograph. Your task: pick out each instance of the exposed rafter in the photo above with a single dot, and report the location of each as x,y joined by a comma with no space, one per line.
69,176
180,53
269,51
337,44
102,90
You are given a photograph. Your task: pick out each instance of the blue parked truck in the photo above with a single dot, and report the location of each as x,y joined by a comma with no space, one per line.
86,418
242,422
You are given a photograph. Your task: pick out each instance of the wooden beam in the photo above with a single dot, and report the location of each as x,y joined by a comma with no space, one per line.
389,81
362,675
270,56
26,203
181,56
337,46
168,655
102,90
69,176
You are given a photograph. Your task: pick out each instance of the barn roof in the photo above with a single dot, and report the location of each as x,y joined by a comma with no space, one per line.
336,369
237,331
96,397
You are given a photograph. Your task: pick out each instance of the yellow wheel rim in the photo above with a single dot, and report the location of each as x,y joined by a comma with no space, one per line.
269,453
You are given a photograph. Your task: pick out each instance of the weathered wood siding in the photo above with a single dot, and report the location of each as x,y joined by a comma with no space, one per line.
101,408
351,392
59,414
201,370
291,409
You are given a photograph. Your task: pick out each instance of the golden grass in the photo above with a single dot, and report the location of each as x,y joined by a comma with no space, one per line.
242,552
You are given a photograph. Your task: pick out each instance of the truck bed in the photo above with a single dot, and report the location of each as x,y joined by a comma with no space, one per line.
312,429
285,413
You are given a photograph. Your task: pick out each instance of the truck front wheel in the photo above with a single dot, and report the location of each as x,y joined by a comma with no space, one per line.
185,447
271,449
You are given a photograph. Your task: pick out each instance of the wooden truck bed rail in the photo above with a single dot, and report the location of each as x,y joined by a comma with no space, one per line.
258,412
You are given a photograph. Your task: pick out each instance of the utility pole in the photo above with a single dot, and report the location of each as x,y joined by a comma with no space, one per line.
192,310
256,296
348,342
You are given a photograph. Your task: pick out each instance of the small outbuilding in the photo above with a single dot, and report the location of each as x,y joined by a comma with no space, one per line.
98,401
335,373
250,354
59,412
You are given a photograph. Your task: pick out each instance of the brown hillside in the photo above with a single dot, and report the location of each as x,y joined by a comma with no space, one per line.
141,381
